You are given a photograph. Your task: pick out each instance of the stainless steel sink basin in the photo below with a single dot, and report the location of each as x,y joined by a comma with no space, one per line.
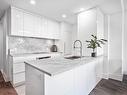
73,57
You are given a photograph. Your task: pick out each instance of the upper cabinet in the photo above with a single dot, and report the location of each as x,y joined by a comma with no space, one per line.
31,25
29,21
53,30
16,22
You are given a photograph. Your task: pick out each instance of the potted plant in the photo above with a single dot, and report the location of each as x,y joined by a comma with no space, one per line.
94,43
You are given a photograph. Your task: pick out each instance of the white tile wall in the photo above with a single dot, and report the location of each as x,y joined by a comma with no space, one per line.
21,45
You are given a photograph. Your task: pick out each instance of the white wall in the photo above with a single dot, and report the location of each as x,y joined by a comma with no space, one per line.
125,43
1,47
86,27
106,50
115,45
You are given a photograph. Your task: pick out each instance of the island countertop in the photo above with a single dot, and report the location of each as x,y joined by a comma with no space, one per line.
54,66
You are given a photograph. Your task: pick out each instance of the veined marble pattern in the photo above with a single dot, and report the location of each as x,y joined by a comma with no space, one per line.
20,45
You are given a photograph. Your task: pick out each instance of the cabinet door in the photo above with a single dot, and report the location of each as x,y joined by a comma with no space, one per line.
29,25
50,29
53,29
18,68
37,26
85,78
61,84
35,80
19,79
56,30
43,33
16,22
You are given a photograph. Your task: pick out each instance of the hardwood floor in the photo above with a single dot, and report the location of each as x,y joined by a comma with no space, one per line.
104,87
125,79
6,88
110,87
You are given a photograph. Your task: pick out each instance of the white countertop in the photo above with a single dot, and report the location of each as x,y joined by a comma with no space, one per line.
54,66
32,54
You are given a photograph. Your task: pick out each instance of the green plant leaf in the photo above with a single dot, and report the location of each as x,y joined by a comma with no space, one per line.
94,42
104,40
101,42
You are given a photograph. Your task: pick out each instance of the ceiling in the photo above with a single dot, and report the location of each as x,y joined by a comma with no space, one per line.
55,8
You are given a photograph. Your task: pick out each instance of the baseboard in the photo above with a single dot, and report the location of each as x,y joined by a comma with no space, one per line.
116,77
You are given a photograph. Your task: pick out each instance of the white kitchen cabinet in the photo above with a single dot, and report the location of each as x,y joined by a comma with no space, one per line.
18,69
65,43
43,84
56,30
29,20
23,23
79,80
17,66
19,78
43,32
64,84
16,22
38,27
53,29
34,80
49,29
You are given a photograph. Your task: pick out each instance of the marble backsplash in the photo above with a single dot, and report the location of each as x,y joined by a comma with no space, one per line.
20,45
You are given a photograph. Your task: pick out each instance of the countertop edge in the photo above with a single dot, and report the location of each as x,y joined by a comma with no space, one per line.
50,74
39,69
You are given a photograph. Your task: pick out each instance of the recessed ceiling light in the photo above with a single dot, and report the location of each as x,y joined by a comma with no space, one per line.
81,9
33,2
64,15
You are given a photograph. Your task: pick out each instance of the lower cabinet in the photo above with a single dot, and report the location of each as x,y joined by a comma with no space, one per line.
17,67
34,82
19,78
78,81
18,73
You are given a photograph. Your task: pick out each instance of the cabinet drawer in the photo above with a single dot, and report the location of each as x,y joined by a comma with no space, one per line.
22,59
19,78
18,68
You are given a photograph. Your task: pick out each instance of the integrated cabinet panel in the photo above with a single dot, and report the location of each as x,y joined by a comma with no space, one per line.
43,32
35,80
37,26
16,22
56,30
28,25
61,84
31,25
18,68
19,78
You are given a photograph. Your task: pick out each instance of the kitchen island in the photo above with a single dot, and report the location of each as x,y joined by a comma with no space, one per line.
61,76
